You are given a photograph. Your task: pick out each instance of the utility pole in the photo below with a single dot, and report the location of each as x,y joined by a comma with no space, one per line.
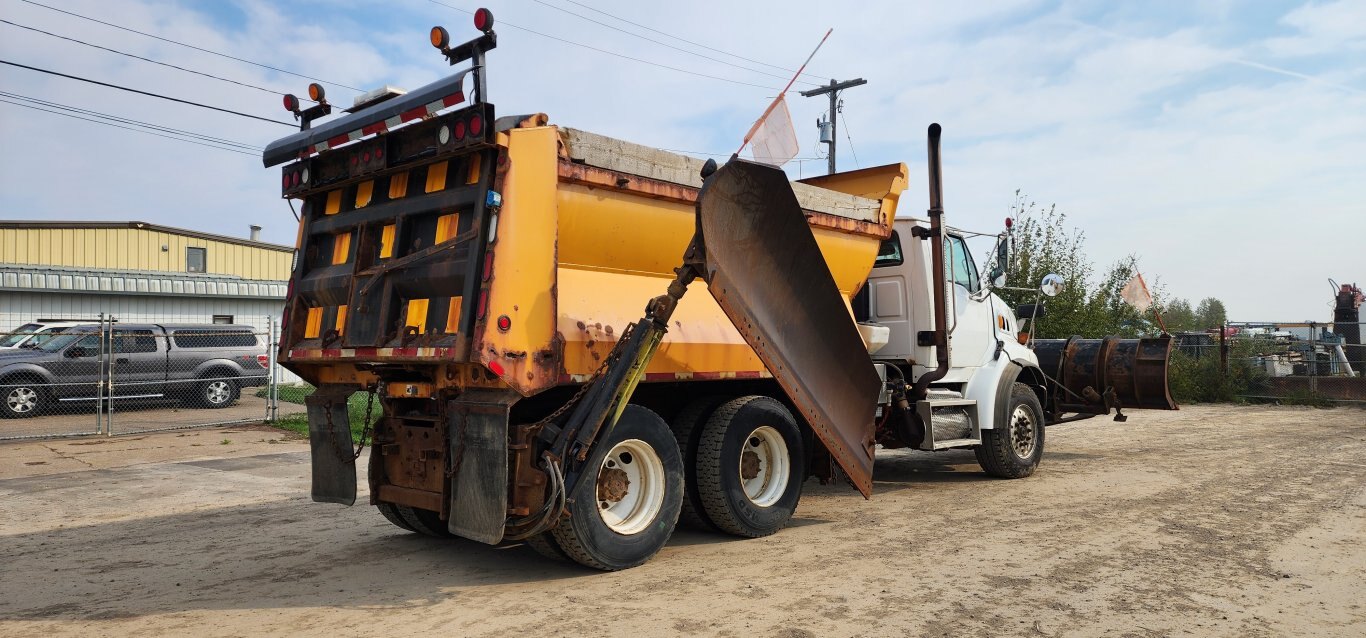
832,89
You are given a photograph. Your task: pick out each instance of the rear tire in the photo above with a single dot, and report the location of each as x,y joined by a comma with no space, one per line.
687,427
1014,447
217,392
545,545
390,512
424,522
750,466
627,501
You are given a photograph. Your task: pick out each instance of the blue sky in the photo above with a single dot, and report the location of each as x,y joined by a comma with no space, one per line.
1221,142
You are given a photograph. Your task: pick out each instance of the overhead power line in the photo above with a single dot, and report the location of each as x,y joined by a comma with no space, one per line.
613,53
687,41
850,138
147,93
665,44
125,120
128,128
138,57
191,46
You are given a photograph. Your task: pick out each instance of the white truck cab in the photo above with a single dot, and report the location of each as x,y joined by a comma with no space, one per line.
986,358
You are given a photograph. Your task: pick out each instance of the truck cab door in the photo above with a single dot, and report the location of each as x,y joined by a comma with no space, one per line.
139,364
972,336
77,373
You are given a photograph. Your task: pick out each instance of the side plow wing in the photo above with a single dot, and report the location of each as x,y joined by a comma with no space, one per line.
763,266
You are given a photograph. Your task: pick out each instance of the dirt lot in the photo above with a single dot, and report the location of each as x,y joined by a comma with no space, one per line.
1230,521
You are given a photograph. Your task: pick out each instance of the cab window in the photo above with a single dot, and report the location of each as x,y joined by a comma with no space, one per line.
962,270
889,253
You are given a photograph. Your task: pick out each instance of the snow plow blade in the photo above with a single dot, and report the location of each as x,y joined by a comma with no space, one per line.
1093,376
766,271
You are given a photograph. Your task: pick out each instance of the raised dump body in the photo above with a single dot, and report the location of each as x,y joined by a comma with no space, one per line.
588,228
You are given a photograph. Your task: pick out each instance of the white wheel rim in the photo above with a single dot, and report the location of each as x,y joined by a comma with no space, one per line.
217,391
631,508
22,400
769,480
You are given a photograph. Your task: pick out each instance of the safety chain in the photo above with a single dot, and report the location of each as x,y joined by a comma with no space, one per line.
367,431
612,357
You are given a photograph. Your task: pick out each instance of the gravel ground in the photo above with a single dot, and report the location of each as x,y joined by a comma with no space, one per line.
1215,520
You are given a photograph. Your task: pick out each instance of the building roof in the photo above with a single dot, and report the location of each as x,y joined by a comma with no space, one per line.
34,224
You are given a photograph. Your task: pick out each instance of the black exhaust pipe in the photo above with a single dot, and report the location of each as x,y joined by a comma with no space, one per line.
939,337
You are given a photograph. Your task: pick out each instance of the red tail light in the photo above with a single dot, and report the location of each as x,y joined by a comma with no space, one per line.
459,130
504,323
476,124
483,20
263,359
488,265
483,303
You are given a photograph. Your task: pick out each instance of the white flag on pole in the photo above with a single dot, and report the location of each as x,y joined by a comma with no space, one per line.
775,140
1135,293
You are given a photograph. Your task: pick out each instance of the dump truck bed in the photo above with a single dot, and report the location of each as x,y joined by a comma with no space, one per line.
588,227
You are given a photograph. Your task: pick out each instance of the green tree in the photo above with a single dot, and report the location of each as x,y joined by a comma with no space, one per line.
1210,313
1179,316
1088,306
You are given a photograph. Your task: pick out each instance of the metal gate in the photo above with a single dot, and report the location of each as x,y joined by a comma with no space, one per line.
109,377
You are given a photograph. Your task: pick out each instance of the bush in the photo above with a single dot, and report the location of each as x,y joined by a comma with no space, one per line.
1199,379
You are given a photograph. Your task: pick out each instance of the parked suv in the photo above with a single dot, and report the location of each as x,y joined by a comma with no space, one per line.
201,365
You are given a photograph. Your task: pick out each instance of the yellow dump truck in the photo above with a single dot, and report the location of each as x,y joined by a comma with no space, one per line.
578,341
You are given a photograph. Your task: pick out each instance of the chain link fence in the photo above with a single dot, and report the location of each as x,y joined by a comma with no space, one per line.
1291,362
109,377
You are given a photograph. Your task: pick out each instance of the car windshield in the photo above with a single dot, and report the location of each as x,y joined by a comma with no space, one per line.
61,341
22,332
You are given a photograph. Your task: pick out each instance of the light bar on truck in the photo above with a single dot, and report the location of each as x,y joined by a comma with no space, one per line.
378,118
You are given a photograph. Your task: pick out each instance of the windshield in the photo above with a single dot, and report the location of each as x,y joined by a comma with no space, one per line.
61,341
22,332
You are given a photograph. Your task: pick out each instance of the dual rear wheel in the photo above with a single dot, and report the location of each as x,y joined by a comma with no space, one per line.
734,466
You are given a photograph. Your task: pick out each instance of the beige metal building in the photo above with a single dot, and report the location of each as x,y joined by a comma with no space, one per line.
137,272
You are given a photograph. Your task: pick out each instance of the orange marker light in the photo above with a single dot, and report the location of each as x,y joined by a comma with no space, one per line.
440,38
316,92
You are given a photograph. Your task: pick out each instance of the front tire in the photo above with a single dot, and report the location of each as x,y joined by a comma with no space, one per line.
626,504
750,466
1014,448
22,399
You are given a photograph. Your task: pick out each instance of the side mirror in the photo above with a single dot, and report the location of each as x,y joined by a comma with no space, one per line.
1052,284
997,274
76,352
1031,311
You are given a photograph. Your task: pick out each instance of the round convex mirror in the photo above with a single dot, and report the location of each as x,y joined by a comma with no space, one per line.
1052,284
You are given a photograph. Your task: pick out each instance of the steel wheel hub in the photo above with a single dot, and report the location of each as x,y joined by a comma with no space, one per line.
22,400
1022,431
630,487
764,466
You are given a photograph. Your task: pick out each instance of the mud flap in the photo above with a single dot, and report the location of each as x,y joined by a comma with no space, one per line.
334,469
766,271
478,489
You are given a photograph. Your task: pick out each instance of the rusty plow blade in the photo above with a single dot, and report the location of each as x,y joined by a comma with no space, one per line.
1095,375
765,270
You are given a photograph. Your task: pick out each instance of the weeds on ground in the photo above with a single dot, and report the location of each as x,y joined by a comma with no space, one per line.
298,423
